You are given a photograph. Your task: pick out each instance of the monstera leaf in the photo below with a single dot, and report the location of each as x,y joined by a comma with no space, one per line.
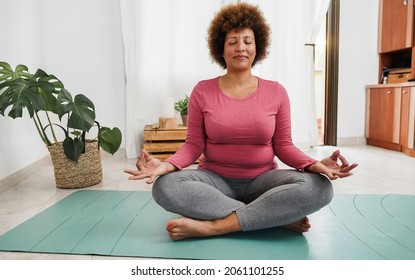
44,93
23,90
73,148
8,74
80,110
47,94
19,94
110,139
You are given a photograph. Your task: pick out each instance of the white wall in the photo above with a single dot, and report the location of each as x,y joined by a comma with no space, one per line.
80,42
358,63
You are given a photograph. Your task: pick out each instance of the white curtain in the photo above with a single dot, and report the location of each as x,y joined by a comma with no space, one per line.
295,24
166,55
317,17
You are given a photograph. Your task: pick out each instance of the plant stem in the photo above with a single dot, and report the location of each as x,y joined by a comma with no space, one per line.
41,130
83,140
51,128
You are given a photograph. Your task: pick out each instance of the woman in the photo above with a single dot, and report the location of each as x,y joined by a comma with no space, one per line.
239,122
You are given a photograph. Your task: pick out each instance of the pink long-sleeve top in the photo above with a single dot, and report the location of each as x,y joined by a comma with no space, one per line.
239,137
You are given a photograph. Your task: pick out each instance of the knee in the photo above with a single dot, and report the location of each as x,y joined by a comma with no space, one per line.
161,188
326,189
322,190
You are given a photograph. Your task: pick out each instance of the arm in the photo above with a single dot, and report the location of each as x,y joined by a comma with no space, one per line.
195,139
283,146
292,156
150,167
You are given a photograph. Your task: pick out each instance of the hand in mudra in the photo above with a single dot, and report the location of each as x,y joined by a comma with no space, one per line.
149,167
331,168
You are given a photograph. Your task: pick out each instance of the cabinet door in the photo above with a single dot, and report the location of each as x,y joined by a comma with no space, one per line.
396,25
383,117
407,133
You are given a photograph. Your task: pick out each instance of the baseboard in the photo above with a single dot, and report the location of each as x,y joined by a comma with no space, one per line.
15,178
351,141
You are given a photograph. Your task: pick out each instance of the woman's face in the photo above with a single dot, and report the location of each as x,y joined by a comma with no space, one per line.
239,50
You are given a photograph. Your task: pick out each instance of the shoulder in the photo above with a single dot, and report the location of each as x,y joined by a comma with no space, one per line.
205,86
273,88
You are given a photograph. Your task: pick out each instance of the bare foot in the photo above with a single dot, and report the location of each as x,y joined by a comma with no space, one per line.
184,228
300,226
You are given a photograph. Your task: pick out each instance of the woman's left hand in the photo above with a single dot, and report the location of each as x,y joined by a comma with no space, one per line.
331,168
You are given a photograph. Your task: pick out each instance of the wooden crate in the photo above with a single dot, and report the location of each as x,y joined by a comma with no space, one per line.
163,142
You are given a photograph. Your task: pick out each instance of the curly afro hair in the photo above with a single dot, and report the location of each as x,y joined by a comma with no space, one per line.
238,16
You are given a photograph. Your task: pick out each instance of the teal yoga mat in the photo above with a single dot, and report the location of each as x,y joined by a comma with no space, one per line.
130,223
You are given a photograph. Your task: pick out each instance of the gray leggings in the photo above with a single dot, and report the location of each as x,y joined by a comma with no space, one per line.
275,198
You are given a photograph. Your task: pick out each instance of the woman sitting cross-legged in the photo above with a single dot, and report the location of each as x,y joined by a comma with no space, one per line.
239,122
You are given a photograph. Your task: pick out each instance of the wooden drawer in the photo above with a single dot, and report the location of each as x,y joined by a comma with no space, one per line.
163,142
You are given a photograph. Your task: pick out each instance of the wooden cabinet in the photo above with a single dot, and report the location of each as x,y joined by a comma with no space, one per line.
407,125
390,108
390,117
396,25
396,36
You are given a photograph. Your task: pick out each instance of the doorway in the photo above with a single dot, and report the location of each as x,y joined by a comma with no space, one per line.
326,75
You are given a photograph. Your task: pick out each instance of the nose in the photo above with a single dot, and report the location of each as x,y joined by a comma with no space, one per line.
240,46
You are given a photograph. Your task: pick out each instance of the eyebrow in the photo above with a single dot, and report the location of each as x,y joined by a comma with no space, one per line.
236,37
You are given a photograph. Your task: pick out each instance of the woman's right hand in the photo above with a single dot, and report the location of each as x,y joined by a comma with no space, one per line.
149,167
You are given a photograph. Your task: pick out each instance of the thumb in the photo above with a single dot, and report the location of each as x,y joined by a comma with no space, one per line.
151,179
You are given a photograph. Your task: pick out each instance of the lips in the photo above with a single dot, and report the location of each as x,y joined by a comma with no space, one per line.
240,57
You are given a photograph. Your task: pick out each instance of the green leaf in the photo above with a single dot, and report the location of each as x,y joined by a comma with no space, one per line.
81,110
7,73
47,85
73,148
110,139
24,90
19,94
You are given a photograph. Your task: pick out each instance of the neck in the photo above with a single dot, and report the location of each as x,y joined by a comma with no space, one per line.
238,78
238,85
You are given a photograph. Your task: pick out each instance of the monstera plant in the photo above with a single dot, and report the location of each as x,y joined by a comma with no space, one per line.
43,95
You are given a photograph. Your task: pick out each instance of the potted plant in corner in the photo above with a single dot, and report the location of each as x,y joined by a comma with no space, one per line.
76,159
181,107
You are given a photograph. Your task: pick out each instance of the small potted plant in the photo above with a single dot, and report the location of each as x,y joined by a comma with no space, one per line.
76,159
181,107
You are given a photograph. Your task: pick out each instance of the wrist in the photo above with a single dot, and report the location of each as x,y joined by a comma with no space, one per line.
168,166
312,167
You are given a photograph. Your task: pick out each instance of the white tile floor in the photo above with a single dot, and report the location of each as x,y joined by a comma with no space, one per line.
380,171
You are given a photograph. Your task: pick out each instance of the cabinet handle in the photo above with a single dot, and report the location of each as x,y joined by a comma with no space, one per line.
404,91
405,2
389,92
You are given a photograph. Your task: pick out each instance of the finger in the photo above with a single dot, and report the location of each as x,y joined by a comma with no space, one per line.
344,175
131,171
139,163
151,179
146,155
333,177
348,168
138,177
335,155
343,161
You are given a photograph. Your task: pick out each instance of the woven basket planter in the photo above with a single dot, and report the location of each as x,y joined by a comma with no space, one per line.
72,175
